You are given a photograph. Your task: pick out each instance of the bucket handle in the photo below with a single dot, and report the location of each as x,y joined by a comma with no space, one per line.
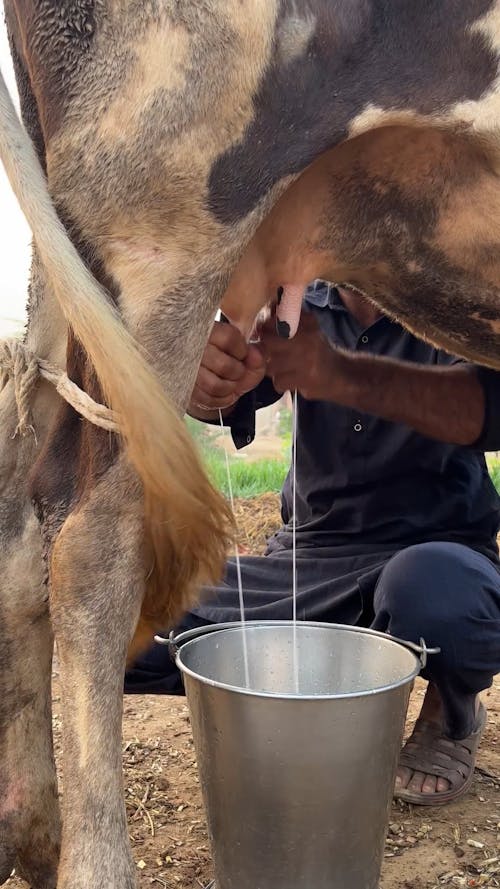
174,642
422,650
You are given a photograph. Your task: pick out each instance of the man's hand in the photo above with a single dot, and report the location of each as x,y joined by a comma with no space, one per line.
443,402
307,363
229,368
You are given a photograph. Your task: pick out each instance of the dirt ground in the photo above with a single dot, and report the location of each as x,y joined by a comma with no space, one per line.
458,845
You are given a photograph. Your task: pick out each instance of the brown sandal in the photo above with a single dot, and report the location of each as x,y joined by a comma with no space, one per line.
429,751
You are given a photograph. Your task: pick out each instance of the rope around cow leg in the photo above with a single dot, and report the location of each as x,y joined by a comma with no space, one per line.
21,366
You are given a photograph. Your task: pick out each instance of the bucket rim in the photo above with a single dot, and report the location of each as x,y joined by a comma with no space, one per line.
293,696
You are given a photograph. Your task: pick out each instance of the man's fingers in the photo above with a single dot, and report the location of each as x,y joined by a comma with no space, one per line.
255,371
214,386
285,382
207,402
228,339
275,348
255,360
221,364
280,364
250,381
272,344
267,327
229,368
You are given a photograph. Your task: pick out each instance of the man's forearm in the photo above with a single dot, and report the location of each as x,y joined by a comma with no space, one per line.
445,403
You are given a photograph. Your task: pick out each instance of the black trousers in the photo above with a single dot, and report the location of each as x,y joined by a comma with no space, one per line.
445,593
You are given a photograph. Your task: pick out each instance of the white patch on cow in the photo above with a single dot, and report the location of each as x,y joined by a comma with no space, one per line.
484,115
149,74
372,117
481,115
295,34
143,270
138,250
489,26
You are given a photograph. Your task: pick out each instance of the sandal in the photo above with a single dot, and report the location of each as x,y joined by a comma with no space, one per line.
429,751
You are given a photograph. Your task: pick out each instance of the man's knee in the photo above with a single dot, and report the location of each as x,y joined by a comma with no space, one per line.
155,671
431,589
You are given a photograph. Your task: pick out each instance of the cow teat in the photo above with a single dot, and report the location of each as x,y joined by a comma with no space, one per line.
288,309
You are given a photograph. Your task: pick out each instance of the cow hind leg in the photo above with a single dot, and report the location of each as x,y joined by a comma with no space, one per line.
97,582
29,809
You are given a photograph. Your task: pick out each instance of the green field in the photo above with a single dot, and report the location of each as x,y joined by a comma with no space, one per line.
494,469
248,478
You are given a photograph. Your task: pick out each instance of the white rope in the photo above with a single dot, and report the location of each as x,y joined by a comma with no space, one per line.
19,364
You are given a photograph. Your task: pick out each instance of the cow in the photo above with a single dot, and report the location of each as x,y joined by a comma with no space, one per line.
197,153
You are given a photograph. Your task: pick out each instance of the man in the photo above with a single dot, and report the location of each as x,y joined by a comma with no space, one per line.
396,515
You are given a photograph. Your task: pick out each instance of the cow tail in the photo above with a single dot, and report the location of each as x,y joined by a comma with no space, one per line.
187,522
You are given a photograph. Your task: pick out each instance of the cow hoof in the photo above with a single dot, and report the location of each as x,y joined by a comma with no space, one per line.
7,861
38,862
38,876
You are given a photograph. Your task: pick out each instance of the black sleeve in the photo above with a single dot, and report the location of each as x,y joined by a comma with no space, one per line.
489,440
242,420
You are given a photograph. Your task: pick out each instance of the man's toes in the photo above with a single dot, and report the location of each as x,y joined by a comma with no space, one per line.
430,784
419,782
443,785
416,783
403,777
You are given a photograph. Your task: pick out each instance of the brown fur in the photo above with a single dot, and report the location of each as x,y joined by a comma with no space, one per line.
157,443
409,216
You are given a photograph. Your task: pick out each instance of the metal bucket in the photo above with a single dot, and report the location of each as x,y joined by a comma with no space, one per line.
297,785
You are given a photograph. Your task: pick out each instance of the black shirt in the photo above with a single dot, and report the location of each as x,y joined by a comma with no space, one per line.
364,482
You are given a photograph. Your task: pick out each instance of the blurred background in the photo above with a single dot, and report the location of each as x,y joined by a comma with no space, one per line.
14,232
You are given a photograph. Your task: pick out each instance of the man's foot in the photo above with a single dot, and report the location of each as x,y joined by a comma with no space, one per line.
434,769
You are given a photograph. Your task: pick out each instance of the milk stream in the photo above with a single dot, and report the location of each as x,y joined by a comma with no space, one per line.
295,654
238,569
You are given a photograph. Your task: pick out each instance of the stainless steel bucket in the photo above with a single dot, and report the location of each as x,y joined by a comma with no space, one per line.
297,786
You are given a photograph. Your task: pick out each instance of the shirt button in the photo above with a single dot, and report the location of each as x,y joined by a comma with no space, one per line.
364,339
357,427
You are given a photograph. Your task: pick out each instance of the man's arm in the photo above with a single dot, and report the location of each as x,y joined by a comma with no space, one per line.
447,403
